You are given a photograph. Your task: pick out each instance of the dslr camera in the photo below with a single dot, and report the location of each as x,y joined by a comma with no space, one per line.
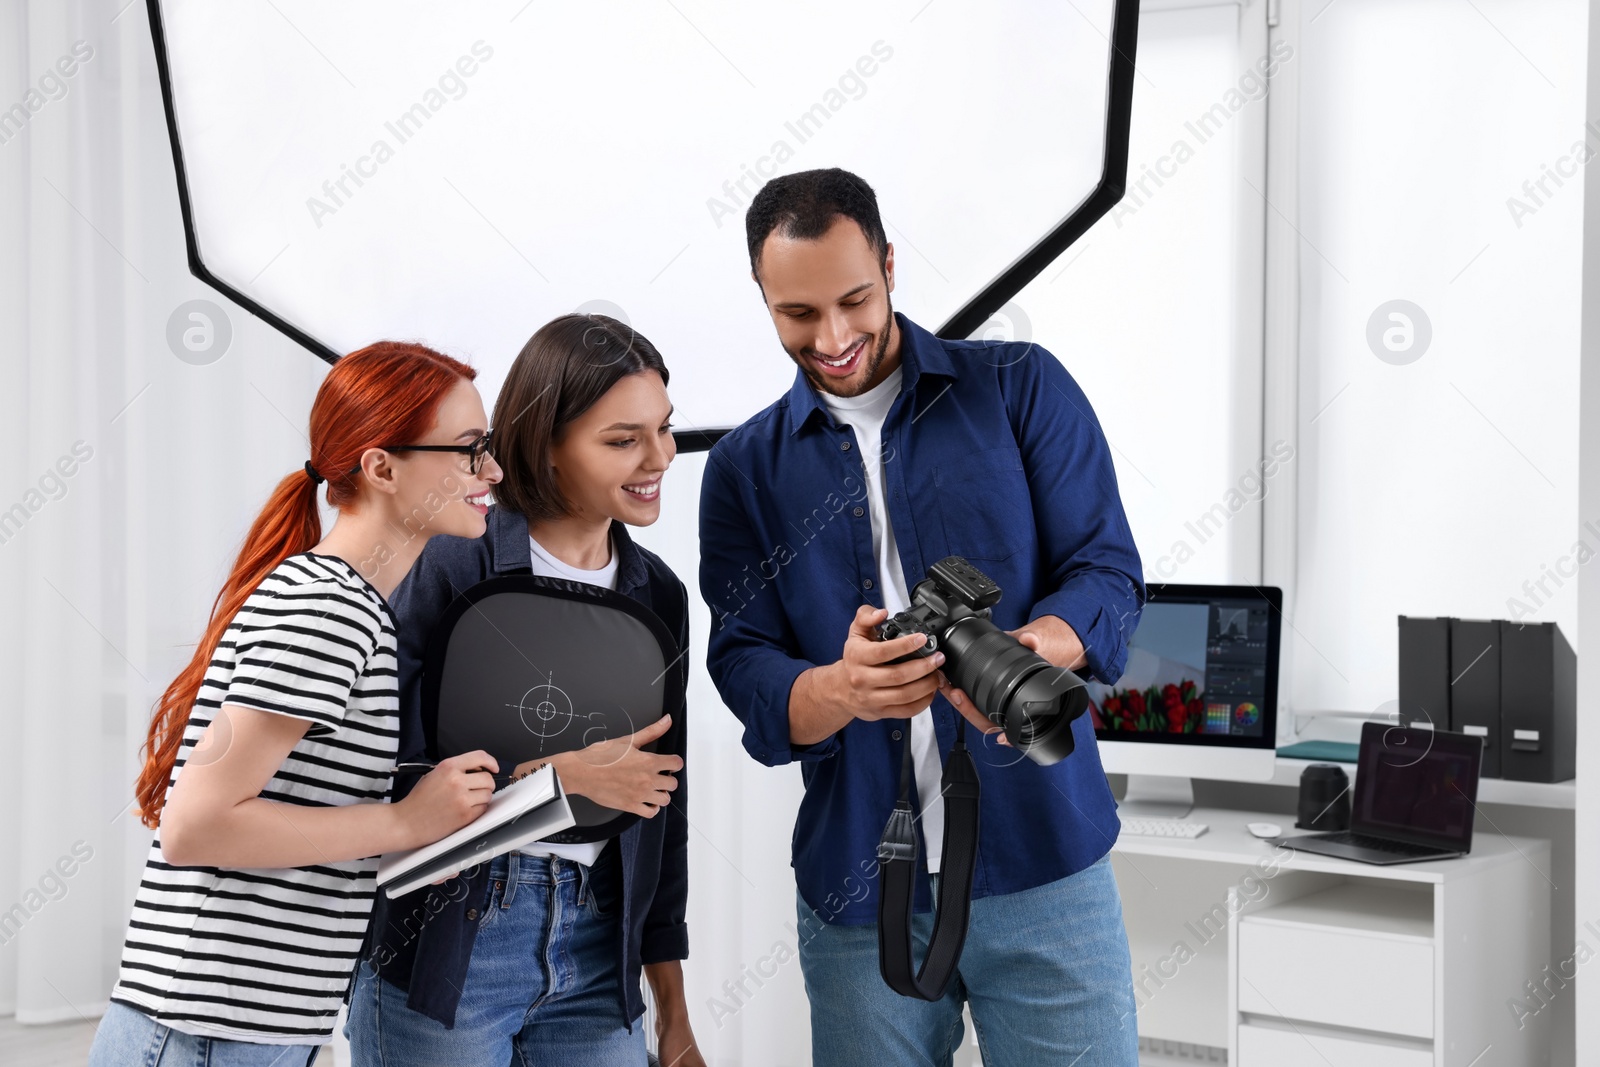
1034,700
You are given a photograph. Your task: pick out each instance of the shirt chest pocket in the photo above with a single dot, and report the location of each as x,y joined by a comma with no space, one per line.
984,504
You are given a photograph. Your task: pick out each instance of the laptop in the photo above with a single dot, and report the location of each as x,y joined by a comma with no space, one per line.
1415,794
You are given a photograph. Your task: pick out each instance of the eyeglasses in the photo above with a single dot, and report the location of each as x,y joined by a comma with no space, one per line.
474,451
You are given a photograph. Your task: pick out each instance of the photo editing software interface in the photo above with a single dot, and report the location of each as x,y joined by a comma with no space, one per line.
1197,667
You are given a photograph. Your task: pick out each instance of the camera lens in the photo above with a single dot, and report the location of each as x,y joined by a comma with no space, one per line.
1039,719
1034,700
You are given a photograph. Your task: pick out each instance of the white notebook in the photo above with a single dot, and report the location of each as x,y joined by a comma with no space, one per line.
525,811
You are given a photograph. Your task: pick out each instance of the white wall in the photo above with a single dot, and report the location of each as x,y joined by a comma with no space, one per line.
1443,485
1587,822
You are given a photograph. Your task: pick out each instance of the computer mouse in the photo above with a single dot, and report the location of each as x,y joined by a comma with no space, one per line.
1265,829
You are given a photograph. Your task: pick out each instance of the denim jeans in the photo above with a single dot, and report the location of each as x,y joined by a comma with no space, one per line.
1046,972
129,1038
541,987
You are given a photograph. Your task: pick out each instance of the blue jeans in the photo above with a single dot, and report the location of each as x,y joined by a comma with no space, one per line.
1046,972
541,987
129,1038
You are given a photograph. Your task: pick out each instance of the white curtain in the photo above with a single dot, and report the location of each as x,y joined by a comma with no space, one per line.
127,478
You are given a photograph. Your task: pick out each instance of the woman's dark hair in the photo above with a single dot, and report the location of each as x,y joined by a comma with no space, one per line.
569,364
802,206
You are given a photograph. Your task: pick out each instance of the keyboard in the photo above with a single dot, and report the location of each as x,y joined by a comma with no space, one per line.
1181,828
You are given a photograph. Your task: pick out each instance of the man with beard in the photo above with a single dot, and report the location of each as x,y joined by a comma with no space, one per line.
892,450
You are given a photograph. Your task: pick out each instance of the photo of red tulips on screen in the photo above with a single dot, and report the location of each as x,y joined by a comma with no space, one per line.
1175,708
1162,689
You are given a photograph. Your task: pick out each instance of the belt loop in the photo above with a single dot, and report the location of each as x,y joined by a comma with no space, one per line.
511,879
583,881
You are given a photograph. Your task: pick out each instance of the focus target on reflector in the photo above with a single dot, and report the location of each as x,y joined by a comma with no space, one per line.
525,667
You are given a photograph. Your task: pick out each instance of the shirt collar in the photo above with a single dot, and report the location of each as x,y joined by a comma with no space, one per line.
509,551
920,353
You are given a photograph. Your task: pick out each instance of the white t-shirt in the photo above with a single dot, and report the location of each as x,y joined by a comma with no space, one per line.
264,955
548,566
865,414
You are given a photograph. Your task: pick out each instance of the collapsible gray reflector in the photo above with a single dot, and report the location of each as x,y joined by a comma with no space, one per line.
525,667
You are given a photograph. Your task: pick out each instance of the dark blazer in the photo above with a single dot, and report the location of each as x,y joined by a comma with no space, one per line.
422,942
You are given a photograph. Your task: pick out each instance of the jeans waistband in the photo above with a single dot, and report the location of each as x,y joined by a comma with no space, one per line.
536,870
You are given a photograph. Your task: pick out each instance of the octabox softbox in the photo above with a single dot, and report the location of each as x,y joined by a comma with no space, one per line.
459,174
525,667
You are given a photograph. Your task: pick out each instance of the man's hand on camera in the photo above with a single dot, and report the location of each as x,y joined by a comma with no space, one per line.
868,685
961,702
1055,641
862,683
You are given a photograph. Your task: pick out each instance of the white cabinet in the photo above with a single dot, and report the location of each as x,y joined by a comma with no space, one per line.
1370,967
1290,959
1285,1047
1295,962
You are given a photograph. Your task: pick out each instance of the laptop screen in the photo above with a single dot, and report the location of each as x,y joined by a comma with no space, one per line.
1418,786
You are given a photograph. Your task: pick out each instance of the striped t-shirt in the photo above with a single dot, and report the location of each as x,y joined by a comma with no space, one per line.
265,955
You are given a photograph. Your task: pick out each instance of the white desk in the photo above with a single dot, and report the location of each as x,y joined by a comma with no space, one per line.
1286,958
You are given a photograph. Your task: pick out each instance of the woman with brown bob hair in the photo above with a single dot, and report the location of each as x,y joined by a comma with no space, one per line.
536,957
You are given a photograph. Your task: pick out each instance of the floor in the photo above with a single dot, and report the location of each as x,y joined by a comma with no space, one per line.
44,1046
60,1045
68,1043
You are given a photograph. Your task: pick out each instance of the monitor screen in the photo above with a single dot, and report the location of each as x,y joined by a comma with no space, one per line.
1417,785
1202,668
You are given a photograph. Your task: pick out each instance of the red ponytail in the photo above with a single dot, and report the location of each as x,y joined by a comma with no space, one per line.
386,393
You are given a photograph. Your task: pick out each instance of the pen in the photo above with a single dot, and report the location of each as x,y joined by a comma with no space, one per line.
424,765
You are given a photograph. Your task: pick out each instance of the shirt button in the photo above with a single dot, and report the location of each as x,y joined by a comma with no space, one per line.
895,735
866,583
844,446
472,915
858,512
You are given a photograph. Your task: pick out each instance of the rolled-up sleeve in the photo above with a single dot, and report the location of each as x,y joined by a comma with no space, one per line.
748,653
1090,561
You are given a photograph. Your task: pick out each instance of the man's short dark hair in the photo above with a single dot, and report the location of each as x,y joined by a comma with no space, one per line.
802,206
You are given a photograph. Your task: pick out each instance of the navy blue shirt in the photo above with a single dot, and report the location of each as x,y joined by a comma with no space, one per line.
990,452
422,942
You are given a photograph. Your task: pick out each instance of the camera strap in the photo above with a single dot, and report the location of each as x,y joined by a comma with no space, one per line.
897,877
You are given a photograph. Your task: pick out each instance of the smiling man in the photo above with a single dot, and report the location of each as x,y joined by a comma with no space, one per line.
892,450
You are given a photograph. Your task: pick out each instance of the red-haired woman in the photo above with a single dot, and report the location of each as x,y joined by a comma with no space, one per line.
270,755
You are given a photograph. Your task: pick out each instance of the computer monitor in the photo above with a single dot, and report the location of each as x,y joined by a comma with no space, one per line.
1198,697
